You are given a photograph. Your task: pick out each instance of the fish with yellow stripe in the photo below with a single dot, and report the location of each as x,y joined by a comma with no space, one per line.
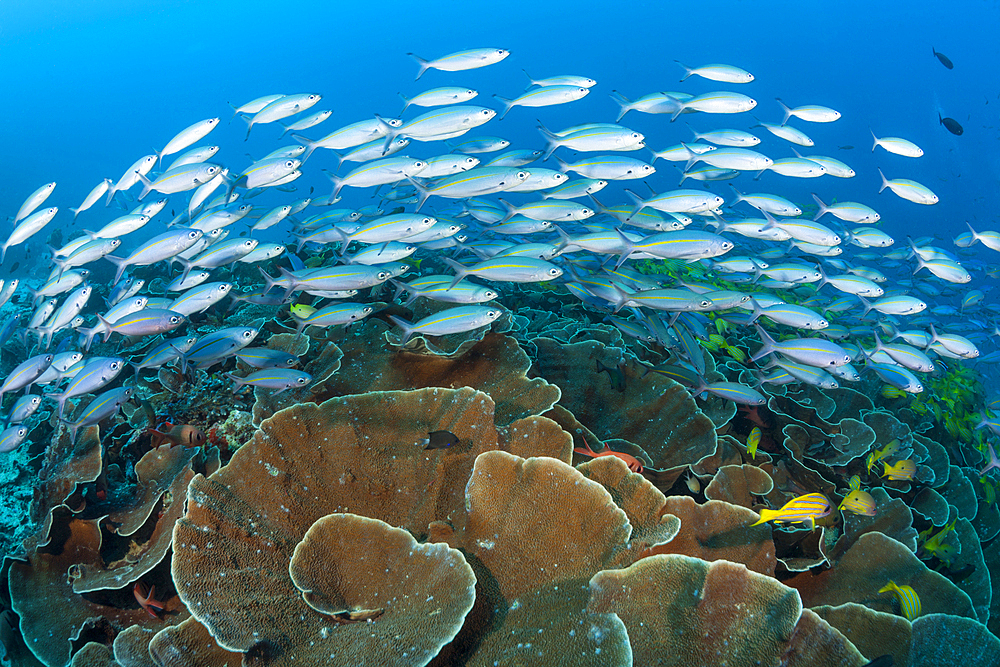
859,502
900,471
891,448
753,440
936,546
909,601
804,509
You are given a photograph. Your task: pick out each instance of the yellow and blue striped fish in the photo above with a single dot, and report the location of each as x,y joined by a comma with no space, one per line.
854,483
901,471
859,502
909,601
891,448
804,509
752,441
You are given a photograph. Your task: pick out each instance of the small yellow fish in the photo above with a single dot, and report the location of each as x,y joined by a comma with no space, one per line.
889,391
989,491
718,340
854,483
909,601
804,509
752,441
936,546
859,502
736,353
900,471
880,454
302,311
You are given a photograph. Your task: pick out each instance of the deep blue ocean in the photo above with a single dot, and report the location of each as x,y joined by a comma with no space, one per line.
90,87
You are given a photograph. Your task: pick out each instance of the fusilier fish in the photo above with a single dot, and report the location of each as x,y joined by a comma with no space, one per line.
92,197
724,73
187,137
27,228
437,97
461,60
281,108
448,321
907,189
34,200
281,379
157,249
544,96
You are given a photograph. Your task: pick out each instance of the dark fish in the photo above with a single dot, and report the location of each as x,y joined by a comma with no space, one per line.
16,264
243,233
945,60
846,147
952,125
962,573
615,374
881,661
439,440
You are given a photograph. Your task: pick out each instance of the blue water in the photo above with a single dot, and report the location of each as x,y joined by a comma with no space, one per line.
90,87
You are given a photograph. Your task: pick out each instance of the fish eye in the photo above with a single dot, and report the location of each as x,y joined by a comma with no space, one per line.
174,319
114,365
300,380
522,174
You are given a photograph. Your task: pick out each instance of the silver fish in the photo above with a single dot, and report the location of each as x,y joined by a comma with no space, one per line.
102,407
449,321
462,60
96,373
281,379
25,373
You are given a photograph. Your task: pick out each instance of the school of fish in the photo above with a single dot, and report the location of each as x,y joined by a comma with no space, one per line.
825,291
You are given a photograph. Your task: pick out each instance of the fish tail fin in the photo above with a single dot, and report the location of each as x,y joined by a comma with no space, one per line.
284,131
620,298
765,516
784,107
823,208
639,202
687,70
885,183
268,280
507,105
629,248
622,102
460,270
739,195
87,337
681,107
424,65
767,344
421,190
238,382
975,234
693,159
875,145
563,166
146,182
511,210
120,263
564,239
407,328
338,183
867,306
551,137
308,143
531,81
107,330
406,102
889,587
757,311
